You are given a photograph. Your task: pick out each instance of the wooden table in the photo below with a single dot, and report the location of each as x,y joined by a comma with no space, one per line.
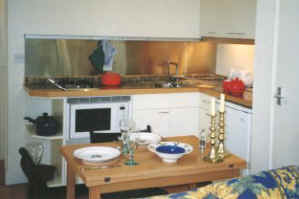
151,171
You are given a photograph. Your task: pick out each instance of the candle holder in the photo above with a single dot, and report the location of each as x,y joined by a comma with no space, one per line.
212,156
221,151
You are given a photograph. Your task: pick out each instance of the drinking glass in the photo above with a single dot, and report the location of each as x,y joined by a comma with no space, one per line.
36,150
132,148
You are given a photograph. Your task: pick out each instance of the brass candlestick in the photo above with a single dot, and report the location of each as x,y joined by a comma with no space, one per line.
212,157
221,152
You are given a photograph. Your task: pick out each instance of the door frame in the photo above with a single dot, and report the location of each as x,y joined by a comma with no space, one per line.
264,74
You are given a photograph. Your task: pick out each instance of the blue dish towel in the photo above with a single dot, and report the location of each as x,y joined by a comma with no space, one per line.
109,52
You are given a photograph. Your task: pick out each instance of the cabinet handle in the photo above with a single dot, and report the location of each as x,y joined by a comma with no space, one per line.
205,101
235,33
163,112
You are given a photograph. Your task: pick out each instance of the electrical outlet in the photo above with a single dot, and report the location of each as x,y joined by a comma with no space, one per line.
19,58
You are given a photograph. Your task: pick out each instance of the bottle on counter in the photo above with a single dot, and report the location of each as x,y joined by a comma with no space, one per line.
202,141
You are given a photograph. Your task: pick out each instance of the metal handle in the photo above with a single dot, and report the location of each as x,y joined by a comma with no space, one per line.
235,33
163,112
278,96
206,101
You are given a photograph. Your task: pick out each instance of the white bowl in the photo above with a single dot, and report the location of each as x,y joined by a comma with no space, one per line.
145,138
170,152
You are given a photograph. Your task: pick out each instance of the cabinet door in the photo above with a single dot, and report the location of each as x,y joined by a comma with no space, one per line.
228,18
156,118
141,18
237,139
204,120
183,122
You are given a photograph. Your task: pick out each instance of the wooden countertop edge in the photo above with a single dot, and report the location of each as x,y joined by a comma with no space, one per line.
56,93
237,100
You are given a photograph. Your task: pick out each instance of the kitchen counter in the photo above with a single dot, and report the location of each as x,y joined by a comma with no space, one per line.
246,100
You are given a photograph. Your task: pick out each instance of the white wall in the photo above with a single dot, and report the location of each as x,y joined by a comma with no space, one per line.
3,111
3,33
167,18
234,56
3,79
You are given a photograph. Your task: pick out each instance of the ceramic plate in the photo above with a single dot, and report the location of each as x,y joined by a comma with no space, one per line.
97,154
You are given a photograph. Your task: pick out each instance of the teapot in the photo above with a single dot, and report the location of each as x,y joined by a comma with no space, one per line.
45,125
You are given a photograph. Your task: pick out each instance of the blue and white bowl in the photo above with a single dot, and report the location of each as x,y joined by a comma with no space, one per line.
170,152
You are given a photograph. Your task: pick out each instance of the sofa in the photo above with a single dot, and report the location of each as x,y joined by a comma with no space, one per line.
282,183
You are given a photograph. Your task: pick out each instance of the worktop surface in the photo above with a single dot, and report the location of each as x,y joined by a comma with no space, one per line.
215,91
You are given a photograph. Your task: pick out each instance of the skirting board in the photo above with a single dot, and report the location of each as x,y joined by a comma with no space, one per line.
2,173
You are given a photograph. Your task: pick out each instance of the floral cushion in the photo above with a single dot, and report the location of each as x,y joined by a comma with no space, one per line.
280,183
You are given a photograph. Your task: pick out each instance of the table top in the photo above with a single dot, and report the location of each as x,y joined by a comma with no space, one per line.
150,165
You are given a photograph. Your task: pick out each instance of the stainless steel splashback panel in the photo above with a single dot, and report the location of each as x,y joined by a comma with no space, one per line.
69,57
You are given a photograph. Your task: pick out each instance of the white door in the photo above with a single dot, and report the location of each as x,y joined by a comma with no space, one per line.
285,123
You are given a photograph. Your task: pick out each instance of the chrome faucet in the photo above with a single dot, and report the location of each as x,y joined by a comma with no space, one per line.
174,81
176,67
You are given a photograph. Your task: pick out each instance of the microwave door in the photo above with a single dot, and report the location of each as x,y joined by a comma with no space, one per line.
85,118
96,119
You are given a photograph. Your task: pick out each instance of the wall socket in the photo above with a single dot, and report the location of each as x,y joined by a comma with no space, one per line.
19,58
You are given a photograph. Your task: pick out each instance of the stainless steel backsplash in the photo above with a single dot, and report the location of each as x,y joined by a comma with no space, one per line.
70,57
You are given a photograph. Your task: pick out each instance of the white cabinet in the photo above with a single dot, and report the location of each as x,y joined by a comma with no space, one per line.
136,18
167,114
238,124
204,118
156,118
183,121
228,18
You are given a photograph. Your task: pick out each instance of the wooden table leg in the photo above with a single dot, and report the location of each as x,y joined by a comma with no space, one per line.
71,183
94,193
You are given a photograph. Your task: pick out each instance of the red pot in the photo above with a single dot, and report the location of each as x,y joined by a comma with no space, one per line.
226,86
235,87
110,79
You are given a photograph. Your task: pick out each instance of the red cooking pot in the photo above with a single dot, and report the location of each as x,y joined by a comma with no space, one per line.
235,87
110,79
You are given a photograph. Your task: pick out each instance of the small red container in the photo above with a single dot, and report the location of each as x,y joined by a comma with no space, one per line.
235,87
110,79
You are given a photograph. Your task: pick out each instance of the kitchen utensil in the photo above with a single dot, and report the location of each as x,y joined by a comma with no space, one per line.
52,81
45,125
235,87
170,152
110,79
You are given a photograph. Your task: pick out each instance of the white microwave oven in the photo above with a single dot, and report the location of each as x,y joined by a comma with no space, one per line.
98,114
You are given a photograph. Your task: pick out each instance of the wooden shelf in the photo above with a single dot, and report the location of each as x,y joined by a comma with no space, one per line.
55,137
56,182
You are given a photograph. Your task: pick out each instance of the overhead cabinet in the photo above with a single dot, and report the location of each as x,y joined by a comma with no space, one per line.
134,18
228,18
